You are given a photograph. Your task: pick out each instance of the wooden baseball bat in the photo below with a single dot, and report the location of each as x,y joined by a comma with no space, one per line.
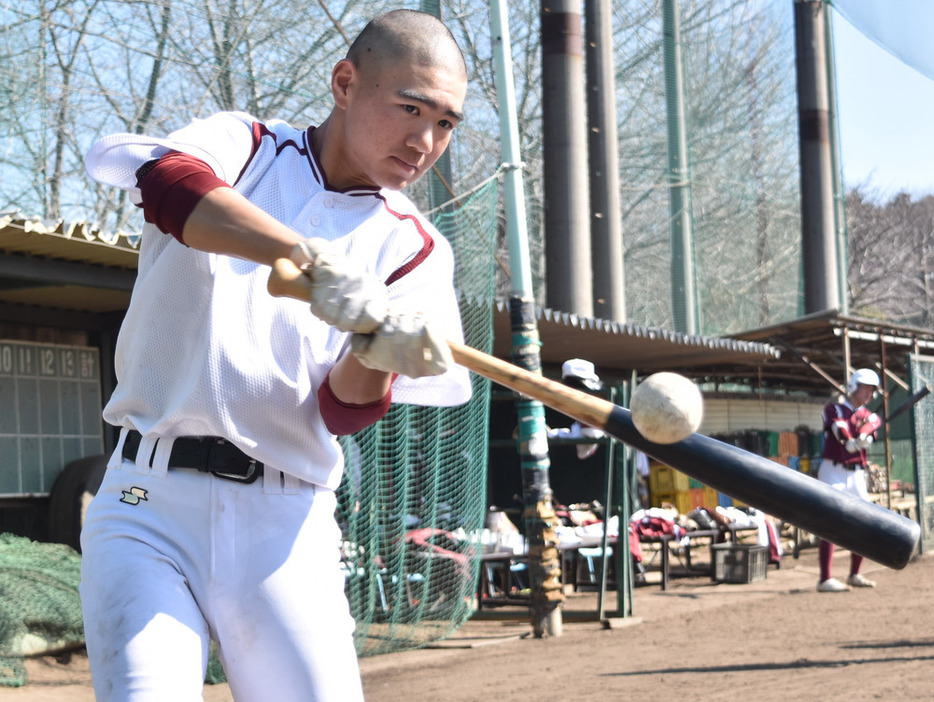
859,526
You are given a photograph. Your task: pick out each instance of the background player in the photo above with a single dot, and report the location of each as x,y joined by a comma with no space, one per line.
216,515
849,429
581,375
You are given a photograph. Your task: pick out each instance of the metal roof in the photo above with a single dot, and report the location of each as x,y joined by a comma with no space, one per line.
814,350
63,266
616,348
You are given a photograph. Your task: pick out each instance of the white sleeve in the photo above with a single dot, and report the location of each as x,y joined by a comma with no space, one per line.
224,141
429,289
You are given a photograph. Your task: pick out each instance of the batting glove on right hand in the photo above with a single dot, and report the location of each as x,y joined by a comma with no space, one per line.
864,441
405,344
851,446
342,294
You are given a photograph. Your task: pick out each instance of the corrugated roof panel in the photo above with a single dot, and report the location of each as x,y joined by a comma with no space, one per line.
623,347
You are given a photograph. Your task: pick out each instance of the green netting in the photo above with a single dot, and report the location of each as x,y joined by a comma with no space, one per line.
40,609
414,493
922,374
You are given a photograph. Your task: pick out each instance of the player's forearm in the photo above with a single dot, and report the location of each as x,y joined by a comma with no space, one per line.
354,383
225,222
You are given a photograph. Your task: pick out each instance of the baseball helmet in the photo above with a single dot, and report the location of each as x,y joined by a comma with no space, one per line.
862,376
579,373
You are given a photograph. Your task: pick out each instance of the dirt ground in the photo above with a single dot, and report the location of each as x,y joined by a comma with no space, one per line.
776,639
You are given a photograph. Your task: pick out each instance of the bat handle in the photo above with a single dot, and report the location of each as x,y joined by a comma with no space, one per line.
288,280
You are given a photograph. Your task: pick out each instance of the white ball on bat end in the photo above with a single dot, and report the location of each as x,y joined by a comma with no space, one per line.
666,408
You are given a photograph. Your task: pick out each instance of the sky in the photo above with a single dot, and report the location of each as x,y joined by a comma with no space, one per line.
886,118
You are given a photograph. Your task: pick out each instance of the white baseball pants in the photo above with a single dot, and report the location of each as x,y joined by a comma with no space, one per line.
851,481
171,561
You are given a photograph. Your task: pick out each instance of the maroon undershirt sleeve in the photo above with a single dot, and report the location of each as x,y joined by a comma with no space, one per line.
170,188
345,418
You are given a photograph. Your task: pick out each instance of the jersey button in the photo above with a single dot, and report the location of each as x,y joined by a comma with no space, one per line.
315,221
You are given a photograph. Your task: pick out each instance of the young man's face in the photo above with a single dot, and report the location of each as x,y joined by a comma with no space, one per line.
398,121
863,394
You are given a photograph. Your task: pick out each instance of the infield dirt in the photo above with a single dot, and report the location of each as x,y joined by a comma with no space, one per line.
777,639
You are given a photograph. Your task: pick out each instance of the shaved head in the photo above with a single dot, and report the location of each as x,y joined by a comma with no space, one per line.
398,96
406,35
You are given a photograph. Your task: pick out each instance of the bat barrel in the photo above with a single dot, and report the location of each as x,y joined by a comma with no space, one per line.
833,515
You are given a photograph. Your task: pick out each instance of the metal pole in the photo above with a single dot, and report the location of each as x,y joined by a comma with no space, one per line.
819,248
606,235
683,294
538,511
625,588
839,194
440,176
607,505
564,126
888,427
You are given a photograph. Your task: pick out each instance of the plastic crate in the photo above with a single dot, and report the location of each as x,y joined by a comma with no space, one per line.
665,479
680,500
739,563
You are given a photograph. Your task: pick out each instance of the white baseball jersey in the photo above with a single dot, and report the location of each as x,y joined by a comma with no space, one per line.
256,382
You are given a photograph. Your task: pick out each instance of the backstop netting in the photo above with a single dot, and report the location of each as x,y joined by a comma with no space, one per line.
40,610
413,498
922,374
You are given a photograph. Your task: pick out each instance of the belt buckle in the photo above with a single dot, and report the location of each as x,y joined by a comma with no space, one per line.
219,454
249,477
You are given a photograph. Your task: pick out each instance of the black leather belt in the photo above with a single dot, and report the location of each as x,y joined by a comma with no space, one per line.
207,454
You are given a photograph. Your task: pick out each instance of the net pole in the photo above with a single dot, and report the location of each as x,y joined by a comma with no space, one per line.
538,510
684,295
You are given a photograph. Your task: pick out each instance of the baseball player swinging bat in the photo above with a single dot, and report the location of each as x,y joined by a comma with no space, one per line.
862,527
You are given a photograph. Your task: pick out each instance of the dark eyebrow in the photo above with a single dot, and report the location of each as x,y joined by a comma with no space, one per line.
425,100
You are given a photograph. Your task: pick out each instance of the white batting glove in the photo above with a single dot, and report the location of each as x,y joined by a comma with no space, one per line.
342,294
864,441
851,446
405,344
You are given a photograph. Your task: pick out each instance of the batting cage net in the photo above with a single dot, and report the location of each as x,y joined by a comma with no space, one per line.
40,610
922,374
413,497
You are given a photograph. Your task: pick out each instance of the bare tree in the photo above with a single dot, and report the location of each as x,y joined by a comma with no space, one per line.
152,65
890,257
741,112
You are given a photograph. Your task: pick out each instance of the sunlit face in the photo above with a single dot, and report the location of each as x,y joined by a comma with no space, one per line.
397,123
862,394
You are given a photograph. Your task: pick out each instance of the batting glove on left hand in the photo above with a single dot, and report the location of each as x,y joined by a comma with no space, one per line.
864,441
342,294
405,344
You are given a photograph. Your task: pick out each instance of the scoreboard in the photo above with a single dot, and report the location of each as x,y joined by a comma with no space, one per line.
50,413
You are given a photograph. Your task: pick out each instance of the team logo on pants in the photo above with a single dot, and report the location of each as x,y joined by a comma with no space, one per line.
134,496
